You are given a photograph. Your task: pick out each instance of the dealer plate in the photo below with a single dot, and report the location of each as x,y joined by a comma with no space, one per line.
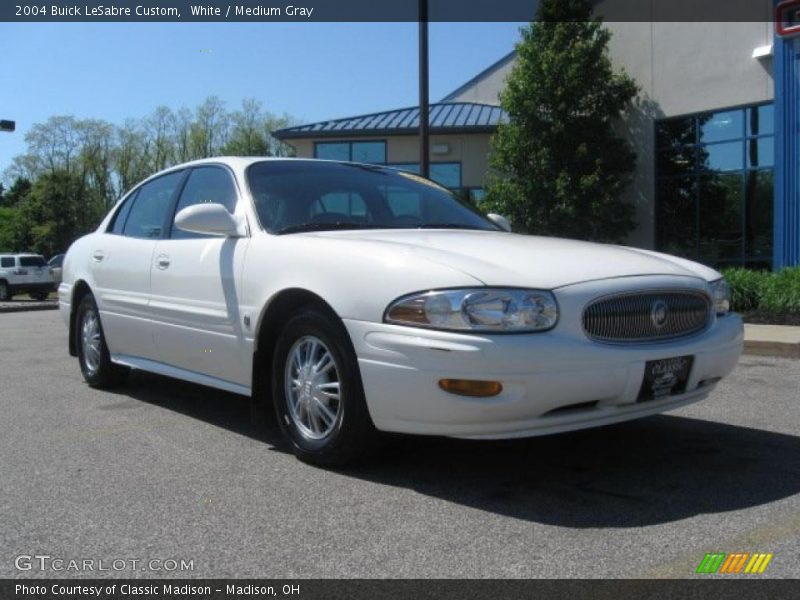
665,377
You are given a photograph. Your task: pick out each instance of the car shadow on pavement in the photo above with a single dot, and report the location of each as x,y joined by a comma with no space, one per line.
654,470
644,472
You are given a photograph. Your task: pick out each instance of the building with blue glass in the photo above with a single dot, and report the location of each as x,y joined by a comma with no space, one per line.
716,129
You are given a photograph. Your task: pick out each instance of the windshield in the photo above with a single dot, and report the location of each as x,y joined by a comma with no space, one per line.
297,195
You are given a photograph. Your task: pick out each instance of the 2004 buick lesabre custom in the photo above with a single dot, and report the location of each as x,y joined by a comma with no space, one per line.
358,299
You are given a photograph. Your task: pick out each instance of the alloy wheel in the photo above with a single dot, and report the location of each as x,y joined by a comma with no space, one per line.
312,387
91,341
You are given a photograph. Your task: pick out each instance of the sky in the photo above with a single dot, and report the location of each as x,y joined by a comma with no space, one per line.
311,71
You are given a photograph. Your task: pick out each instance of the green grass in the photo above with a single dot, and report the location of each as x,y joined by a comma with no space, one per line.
764,291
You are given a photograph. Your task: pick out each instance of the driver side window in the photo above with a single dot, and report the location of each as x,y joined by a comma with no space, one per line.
205,185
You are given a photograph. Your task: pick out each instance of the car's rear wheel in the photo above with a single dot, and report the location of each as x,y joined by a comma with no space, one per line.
319,399
5,291
93,356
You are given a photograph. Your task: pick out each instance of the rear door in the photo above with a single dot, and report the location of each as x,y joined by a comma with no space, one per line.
120,264
196,287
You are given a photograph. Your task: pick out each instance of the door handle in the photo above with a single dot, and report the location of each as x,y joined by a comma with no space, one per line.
162,262
98,256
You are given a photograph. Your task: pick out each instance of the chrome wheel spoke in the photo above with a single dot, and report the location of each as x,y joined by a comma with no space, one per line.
91,341
311,385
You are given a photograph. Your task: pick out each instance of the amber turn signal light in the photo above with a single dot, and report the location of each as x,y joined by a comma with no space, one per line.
470,387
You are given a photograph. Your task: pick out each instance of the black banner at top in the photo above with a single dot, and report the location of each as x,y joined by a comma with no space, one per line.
367,10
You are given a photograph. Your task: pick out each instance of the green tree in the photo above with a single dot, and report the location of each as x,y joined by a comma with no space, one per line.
558,165
55,213
8,219
17,192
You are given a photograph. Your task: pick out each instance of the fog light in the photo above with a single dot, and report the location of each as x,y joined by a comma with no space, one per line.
469,387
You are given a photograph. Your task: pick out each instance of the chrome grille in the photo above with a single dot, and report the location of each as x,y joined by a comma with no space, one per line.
650,315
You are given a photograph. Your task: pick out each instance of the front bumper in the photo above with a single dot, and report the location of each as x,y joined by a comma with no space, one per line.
540,373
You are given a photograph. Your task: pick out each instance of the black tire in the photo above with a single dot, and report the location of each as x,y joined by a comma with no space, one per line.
352,435
98,371
5,292
40,296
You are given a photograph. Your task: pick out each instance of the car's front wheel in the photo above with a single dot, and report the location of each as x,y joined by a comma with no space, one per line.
93,356
5,291
318,394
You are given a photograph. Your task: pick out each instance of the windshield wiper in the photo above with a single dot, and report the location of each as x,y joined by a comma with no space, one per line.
301,227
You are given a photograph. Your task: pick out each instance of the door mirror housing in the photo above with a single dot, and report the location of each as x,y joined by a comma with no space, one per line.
209,218
500,221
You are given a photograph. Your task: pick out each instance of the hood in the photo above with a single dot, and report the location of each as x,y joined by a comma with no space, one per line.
507,259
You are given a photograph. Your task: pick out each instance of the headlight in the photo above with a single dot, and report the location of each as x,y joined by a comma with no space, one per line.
721,296
477,309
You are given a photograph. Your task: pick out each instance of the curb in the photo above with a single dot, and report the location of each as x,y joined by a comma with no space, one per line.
772,340
770,348
12,308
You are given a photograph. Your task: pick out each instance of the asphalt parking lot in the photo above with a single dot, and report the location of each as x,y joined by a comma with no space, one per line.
166,470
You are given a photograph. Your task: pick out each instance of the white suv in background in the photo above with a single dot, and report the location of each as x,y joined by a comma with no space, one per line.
25,274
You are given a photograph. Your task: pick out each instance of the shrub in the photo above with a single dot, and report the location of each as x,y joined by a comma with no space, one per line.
764,291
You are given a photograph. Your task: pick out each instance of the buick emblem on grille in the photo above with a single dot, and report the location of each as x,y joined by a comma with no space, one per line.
659,313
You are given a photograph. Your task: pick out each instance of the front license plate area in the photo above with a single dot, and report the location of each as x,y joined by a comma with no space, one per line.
665,377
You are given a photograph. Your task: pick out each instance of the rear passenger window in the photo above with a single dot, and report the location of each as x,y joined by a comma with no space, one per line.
149,211
7,262
32,261
205,185
122,214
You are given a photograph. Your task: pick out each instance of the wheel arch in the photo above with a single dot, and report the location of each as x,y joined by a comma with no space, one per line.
268,328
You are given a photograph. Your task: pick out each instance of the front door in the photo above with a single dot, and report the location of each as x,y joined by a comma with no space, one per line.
195,289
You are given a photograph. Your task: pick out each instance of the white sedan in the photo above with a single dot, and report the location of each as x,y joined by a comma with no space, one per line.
356,299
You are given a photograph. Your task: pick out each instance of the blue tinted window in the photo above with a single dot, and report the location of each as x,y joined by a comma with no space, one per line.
722,157
369,152
761,120
366,152
714,186
446,174
761,152
727,125
333,151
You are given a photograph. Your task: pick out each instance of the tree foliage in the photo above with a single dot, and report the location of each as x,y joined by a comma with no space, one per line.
558,164
74,170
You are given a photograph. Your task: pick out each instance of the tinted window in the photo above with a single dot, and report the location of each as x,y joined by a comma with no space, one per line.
366,152
149,210
369,152
720,126
305,195
333,151
715,185
31,261
56,261
7,262
122,214
205,185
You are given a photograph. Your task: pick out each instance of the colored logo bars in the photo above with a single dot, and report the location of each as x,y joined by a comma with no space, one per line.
739,562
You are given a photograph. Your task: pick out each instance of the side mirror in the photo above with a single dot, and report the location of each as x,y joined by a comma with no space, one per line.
207,218
500,221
